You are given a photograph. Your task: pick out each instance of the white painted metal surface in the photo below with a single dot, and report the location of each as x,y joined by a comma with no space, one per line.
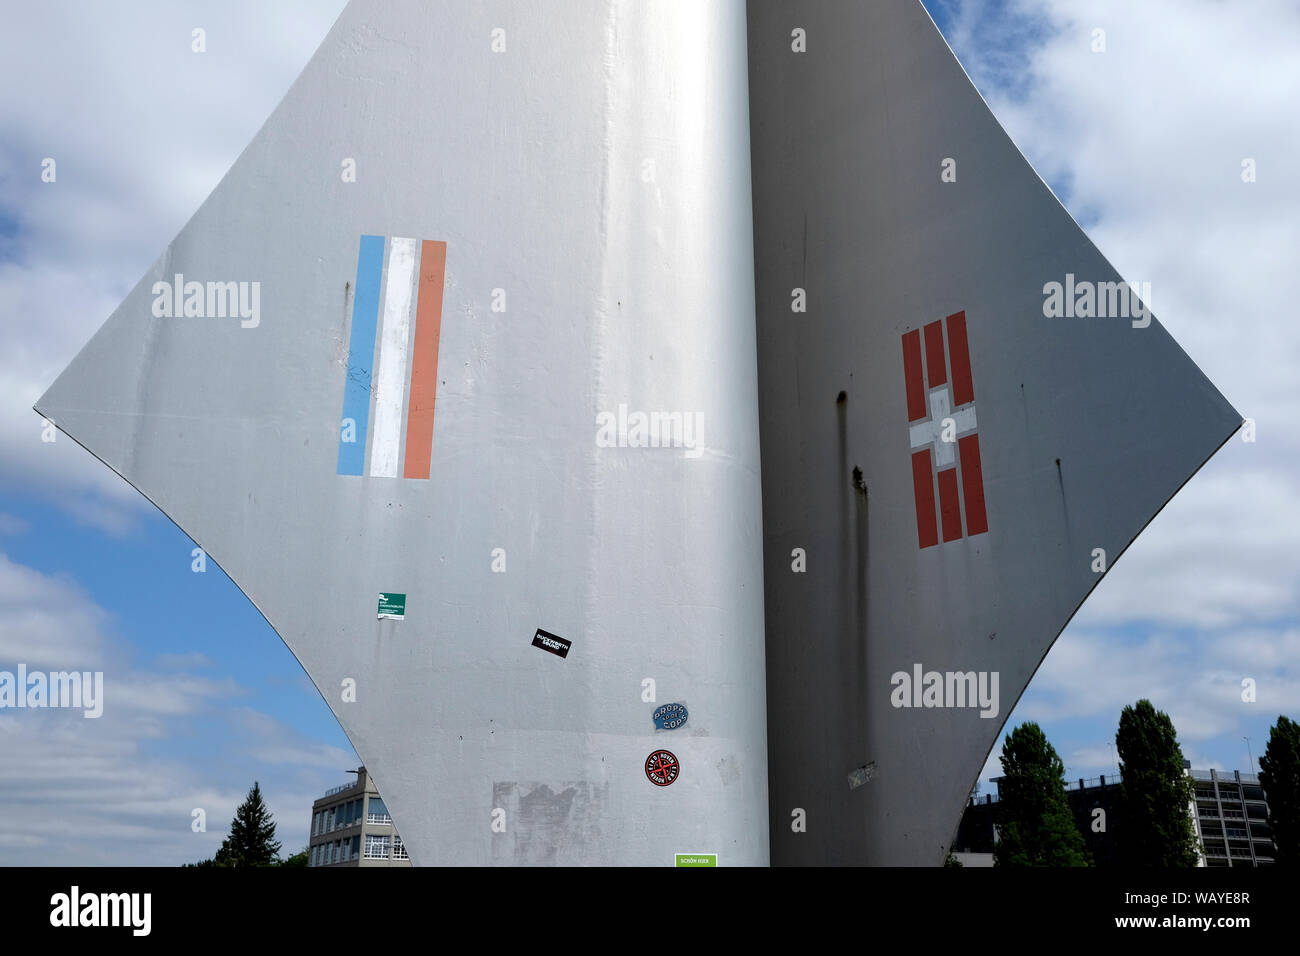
590,174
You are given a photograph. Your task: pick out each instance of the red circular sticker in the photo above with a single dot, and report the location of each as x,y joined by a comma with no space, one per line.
661,767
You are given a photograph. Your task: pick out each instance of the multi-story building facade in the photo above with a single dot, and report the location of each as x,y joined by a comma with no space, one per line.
350,826
1232,818
977,833
1229,812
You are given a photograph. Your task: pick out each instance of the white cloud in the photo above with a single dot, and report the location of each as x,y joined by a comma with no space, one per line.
1222,553
1145,143
141,129
96,791
47,622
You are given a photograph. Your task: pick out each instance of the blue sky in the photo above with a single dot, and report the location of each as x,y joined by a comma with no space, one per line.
1141,143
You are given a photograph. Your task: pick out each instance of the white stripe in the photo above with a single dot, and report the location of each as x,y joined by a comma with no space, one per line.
390,379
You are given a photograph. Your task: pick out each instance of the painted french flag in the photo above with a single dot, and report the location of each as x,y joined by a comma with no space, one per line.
406,288
942,430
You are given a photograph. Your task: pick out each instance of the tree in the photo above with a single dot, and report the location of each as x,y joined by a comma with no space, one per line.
1157,792
298,859
1035,826
1279,775
252,835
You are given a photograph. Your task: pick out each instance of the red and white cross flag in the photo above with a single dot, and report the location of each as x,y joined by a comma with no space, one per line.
942,429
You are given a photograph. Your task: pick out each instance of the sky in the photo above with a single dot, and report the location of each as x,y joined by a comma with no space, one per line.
1143,143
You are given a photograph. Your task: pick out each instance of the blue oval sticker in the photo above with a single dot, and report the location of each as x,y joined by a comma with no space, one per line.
670,716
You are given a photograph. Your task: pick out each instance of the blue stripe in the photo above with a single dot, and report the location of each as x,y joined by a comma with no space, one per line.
361,354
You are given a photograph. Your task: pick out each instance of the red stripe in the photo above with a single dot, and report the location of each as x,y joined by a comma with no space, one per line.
935,370
912,371
927,531
949,505
424,362
972,483
963,390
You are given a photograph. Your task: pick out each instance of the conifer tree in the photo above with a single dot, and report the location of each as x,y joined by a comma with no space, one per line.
252,835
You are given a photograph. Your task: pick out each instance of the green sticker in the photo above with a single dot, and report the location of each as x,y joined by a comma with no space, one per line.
392,606
697,859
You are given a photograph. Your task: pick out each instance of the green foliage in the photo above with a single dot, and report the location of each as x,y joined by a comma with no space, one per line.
953,861
252,838
252,835
1035,826
298,859
1279,775
1157,792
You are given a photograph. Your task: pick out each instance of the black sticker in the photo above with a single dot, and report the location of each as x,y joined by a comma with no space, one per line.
552,642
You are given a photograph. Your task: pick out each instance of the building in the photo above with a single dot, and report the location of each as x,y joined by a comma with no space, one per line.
977,832
1229,814
350,826
1231,819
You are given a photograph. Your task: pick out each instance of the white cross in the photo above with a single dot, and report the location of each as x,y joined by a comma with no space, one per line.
930,432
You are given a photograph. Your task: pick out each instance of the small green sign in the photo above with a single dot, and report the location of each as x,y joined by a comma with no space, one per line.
697,859
392,606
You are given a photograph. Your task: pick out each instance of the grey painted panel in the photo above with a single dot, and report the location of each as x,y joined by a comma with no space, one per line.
626,283
1086,426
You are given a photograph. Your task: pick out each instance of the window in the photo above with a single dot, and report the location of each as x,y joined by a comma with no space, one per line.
378,813
311,857
399,849
376,847
356,847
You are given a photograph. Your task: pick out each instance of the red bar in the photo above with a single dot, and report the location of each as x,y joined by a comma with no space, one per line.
927,531
936,370
424,360
972,483
912,372
949,504
963,390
